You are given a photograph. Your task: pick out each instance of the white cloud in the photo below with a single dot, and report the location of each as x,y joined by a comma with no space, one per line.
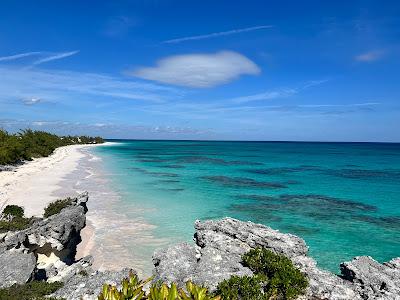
31,101
370,56
276,94
56,86
18,56
54,57
216,34
199,70
266,96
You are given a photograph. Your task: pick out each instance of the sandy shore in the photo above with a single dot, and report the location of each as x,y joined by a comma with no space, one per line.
67,172
32,185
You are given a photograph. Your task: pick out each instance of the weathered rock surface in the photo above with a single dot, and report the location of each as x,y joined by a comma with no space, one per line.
88,287
219,246
372,279
16,267
47,248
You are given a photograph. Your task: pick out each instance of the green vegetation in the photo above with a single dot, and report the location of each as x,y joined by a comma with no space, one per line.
246,287
13,211
12,219
133,289
276,278
56,206
29,144
36,290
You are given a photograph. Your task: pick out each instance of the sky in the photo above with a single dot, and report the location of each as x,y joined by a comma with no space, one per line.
219,70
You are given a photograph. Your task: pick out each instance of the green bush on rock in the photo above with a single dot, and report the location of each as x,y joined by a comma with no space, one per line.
11,211
133,289
12,219
275,277
32,290
56,206
245,287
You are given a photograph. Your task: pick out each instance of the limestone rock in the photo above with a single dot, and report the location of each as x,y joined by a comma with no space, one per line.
372,279
58,233
217,256
16,268
89,286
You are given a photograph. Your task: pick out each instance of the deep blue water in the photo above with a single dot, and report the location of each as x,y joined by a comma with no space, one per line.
342,198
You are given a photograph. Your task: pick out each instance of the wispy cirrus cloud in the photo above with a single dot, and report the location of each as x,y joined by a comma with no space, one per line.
279,93
216,34
199,70
54,57
370,56
58,85
43,56
18,56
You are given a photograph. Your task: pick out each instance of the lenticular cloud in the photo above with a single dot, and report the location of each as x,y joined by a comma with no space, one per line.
199,70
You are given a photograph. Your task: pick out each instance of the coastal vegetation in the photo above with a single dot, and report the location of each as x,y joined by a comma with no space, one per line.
12,219
28,144
56,206
133,289
37,290
275,277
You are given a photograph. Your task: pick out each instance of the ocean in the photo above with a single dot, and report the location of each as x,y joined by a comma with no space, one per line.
343,199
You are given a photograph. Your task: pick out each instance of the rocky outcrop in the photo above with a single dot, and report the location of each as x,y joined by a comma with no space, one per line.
87,286
219,246
47,248
372,279
16,267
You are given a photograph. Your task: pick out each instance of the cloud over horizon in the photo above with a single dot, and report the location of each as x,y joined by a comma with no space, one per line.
199,70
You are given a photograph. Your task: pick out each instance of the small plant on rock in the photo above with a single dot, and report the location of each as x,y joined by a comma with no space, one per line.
133,289
37,290
56,206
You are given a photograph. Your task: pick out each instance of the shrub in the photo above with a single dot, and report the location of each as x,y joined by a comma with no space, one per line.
56,206
14,224
246,287
31,290
133,289
284,280
28,144
13,211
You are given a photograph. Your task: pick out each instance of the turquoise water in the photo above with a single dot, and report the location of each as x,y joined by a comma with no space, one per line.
342,198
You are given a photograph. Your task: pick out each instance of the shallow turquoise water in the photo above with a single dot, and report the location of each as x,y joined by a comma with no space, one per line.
342,198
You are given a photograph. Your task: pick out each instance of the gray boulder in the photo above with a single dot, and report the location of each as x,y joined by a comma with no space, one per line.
16,267
372,279
89,286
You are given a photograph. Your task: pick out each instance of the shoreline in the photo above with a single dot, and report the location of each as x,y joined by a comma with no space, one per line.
32,185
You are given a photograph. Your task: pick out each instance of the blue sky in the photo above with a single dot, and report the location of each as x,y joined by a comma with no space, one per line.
237,70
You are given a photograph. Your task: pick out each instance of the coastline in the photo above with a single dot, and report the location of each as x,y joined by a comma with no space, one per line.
69,171
32,184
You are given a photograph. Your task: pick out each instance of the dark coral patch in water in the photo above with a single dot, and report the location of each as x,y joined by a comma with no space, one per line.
217,161
314,206
172,166
391,174
160,174
283,170
389,222
243,182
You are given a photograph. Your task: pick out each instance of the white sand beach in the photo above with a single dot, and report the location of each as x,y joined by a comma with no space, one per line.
32,185
67,172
